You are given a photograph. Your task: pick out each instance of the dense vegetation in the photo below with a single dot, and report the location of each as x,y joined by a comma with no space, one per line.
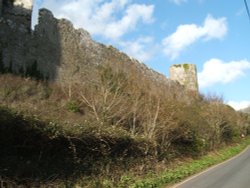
109,124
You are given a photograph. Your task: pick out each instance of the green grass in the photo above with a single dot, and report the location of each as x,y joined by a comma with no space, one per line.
189,168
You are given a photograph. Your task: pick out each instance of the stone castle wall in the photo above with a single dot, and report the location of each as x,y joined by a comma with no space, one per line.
18,11
1,7
186,75
15,34
55,50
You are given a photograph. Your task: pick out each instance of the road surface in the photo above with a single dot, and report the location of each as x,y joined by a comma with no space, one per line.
234,173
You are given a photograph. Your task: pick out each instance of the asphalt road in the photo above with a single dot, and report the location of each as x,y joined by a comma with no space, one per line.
234,173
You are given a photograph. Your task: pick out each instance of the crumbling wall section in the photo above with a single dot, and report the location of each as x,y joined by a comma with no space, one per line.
45,48
15,35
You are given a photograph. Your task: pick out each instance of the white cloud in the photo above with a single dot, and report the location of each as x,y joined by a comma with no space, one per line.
134,13
186,35
27,4
109,19
142,48
216,71
178,2
238,105
214,28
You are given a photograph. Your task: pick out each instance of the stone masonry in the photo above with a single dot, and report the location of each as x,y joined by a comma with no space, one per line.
15,34
56,51
1,7
186,75
18,11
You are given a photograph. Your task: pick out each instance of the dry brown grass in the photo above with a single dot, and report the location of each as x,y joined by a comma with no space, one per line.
114,117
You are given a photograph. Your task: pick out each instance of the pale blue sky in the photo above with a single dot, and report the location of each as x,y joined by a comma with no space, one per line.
213,34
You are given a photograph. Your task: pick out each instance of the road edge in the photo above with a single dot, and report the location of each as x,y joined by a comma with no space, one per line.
210,168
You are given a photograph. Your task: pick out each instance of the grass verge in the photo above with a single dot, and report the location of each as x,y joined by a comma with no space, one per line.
188,168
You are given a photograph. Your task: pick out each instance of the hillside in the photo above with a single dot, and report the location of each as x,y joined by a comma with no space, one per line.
103,132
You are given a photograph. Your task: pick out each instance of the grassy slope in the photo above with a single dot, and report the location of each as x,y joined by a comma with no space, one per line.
33,150
48,139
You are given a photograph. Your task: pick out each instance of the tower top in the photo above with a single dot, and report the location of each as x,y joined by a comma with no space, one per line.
186,75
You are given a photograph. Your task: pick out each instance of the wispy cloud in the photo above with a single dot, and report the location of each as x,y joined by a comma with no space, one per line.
238,105
142,48
109,19
241,11
217,71
178,2
186,35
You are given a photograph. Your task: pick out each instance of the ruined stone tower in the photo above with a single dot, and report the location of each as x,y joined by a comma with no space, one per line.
186,75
